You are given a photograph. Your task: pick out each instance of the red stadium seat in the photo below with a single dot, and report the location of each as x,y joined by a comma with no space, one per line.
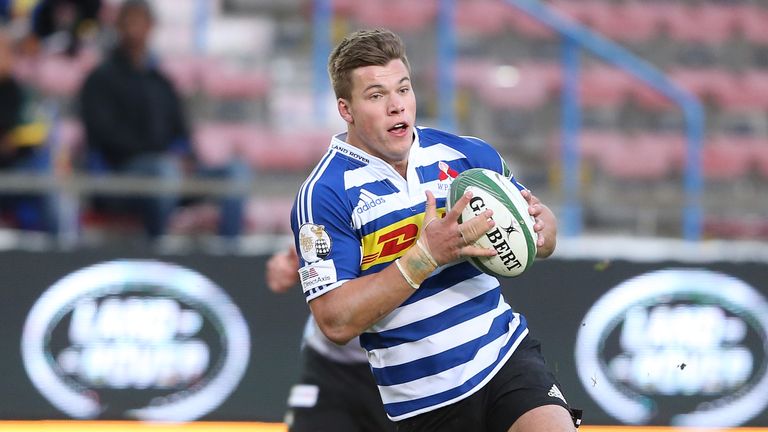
398,15
61,76
750,20
635,160
268,215
709,84
649,98
215,143
576,10
482,17
748,90
634,22
271,150
706,23
529,27
673,145
760,154
604,86
512,87
723,159
184,71
593,142
590,143
549,73
469,73
221,80
758,151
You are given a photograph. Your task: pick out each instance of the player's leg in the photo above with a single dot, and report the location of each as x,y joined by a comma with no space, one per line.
320,419
525,396
545,418
335,396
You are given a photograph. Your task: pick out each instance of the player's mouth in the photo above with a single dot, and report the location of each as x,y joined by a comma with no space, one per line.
399,129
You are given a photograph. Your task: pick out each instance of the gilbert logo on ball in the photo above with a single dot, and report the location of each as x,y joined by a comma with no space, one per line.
512,236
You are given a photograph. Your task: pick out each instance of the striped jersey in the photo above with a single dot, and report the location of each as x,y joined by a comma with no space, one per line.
353,216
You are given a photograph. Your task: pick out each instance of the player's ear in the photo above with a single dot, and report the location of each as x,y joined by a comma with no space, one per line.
344,110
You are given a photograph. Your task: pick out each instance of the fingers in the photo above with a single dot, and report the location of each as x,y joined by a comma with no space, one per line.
430,211
457,208
449,240
476,227
477,251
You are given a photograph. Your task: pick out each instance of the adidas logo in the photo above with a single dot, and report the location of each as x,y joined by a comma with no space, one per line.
555,392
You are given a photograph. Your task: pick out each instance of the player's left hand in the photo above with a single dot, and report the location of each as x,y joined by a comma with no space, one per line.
545,225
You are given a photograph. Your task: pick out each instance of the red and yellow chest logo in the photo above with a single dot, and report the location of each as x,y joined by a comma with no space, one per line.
390,242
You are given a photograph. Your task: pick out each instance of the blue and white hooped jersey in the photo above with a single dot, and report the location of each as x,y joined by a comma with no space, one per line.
353,216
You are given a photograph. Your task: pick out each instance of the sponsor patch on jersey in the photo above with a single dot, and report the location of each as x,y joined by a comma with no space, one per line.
446,172
445,176
316,275
303,396
314,242
390,242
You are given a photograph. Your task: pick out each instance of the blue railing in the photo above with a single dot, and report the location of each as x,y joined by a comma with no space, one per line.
575,37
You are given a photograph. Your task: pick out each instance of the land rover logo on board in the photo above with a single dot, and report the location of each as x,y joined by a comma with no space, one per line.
138,339
685,347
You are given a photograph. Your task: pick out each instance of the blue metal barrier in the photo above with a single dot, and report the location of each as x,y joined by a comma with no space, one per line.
575,37
574,33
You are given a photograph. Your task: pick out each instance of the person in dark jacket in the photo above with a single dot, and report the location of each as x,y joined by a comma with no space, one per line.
23,150
135,124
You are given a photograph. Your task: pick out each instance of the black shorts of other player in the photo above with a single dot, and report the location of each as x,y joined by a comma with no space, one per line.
347,399
522,384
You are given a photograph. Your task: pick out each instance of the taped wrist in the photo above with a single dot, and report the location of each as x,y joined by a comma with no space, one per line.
416,265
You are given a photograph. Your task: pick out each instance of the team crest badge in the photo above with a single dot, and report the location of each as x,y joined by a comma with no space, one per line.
314,242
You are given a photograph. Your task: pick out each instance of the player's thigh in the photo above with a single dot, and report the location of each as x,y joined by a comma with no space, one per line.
320,420
524,385
547,418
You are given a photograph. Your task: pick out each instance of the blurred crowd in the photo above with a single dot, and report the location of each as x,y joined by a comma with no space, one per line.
134,119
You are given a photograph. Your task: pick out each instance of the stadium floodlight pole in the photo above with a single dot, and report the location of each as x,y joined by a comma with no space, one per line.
446,60
613,53
321,49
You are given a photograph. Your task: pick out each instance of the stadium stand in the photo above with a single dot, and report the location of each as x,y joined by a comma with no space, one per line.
245,73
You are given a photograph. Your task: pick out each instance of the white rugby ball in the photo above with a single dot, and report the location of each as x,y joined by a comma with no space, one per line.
512,236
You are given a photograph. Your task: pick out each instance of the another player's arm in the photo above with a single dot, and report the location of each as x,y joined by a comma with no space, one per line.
281,270
356,305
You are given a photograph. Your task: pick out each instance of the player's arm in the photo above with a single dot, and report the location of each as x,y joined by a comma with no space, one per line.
353,307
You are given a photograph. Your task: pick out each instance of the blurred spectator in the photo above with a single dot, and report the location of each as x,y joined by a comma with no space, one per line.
135,124
64,23
22,148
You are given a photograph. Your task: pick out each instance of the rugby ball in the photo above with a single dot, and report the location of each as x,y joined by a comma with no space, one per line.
512,236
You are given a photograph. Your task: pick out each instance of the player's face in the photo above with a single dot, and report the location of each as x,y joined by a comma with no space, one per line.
381,112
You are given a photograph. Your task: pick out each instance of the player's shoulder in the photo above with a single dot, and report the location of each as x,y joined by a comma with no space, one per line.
477,152
328,174
431,136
